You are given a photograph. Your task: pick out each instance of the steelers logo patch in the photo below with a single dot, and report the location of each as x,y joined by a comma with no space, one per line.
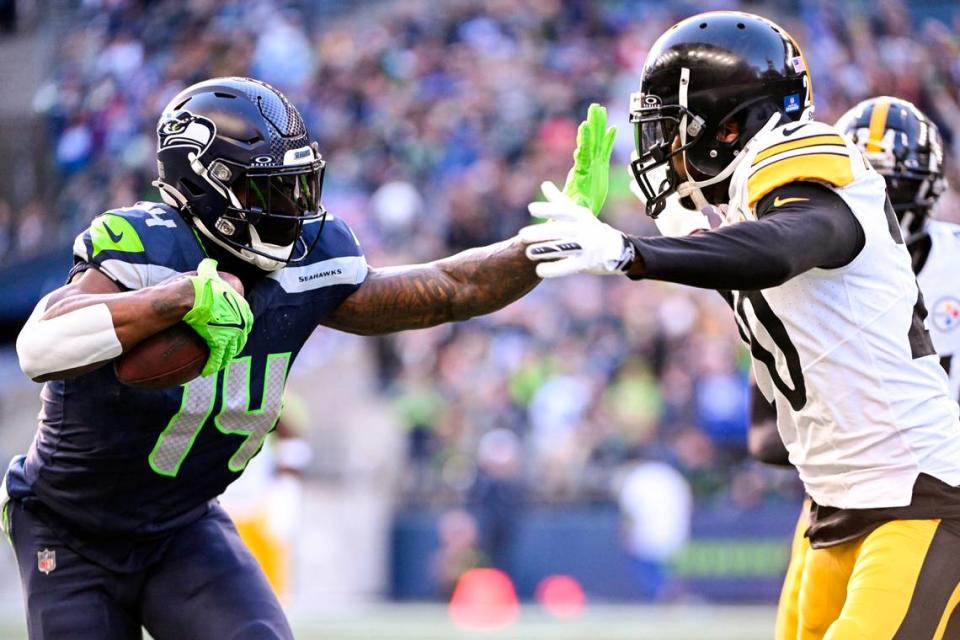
946,314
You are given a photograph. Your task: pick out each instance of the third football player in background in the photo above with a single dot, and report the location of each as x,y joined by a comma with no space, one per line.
820,281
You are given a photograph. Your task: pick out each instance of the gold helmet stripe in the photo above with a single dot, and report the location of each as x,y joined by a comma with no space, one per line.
878,124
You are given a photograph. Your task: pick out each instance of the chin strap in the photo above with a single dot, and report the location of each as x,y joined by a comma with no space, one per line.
261,262
693,190
170,195
219,187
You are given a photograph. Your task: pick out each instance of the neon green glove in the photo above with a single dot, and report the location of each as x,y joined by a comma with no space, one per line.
589,178
220,315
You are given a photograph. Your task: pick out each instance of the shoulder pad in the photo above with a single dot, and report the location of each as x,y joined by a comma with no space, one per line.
799,151
336,240
336,259
138,246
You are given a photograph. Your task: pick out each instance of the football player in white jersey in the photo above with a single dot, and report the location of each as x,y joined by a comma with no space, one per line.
811,255
905,147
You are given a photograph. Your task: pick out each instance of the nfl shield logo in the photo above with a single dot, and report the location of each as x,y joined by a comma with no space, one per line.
46,560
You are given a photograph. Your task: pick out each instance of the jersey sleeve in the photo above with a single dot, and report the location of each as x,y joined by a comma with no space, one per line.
808,226
136,247
842,237
811,152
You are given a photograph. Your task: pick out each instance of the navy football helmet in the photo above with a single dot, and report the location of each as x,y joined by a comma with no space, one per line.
234,158
904,146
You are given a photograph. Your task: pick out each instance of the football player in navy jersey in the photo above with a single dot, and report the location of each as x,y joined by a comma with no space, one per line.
113,512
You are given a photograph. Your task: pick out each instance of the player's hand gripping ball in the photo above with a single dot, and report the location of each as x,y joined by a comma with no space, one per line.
220,314
180,353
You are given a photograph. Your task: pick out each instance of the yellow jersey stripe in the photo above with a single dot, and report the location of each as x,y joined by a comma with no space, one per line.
799,143
831,168
878,124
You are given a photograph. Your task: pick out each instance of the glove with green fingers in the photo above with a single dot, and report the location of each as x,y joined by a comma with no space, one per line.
589,178
220,314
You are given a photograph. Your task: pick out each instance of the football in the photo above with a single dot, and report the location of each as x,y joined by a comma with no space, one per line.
167,359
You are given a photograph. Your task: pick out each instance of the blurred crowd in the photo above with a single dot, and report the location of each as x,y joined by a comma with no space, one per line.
439,120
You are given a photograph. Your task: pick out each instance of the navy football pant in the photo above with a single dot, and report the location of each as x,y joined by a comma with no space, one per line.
206,586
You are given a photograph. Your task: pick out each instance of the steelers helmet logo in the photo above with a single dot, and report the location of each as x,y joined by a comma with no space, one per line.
946,314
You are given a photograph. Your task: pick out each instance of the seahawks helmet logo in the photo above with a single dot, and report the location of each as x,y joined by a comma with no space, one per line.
185,129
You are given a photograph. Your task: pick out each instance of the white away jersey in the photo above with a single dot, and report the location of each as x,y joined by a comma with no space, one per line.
862,401
939,280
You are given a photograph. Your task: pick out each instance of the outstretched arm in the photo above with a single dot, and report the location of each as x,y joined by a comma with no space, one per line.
468,284
801,226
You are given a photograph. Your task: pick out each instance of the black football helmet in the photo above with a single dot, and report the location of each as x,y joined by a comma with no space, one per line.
702,74
234,158
905,147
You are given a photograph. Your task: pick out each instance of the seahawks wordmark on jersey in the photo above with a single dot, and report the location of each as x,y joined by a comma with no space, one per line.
861,398
131,463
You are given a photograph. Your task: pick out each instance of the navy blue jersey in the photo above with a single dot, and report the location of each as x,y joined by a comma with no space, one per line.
117,461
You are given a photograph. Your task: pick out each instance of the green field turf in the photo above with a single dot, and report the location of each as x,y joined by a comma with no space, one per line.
599,622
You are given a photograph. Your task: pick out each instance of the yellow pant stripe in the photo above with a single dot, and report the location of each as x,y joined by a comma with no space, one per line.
951,605
822,167
812,141
878,124
863,589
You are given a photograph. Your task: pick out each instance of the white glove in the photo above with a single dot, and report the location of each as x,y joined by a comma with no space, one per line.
573,240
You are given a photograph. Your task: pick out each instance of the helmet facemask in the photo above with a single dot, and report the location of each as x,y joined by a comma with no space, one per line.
264,209
670,134
657,128
911,188
267,209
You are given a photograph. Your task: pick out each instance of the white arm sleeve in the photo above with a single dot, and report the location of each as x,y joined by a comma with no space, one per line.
69,341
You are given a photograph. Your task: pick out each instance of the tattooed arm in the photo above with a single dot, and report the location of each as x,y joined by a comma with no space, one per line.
468,284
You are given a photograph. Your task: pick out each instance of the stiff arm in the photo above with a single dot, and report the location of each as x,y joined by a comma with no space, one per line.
471,283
